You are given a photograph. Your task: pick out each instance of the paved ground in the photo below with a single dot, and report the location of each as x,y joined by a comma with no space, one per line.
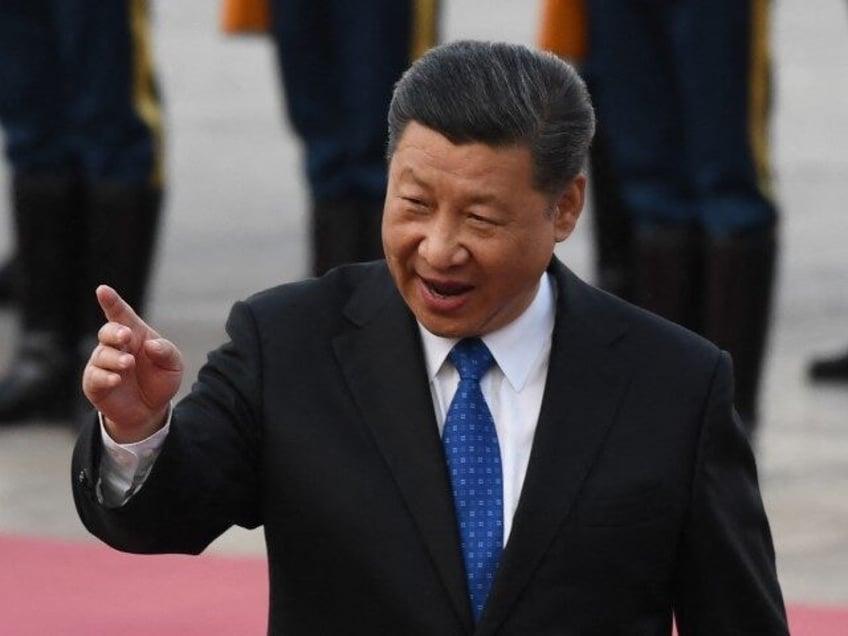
235,224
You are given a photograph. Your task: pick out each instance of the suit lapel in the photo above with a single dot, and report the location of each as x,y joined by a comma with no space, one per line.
381,358
584,385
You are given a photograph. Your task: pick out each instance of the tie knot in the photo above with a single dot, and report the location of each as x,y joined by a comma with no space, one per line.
472,358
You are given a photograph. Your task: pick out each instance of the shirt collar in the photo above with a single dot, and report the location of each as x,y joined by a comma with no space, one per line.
516,347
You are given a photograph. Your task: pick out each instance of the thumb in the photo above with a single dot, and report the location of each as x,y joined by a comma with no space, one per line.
164,354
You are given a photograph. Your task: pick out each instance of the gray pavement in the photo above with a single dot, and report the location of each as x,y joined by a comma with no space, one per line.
235,223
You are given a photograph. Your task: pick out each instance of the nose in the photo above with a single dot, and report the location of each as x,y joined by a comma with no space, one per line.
442,247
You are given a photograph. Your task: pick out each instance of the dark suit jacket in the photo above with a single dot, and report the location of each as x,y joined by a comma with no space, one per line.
316,421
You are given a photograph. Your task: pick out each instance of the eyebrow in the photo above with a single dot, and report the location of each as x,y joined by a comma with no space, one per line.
485,199
409,172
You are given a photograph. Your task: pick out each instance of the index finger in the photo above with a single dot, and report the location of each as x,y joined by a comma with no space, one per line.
116,309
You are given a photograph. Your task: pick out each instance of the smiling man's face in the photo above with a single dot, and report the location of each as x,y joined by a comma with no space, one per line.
466,234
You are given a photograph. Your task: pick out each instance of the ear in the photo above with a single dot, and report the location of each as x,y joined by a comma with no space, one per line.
568,207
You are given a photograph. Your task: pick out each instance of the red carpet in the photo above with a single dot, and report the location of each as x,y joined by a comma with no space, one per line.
71,589
87,589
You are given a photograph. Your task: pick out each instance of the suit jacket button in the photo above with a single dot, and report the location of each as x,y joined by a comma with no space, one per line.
82,477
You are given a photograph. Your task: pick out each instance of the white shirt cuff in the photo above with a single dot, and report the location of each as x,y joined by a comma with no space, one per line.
125,467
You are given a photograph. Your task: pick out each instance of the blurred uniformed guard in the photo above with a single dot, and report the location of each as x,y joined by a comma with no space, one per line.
82,129
339,61
682,89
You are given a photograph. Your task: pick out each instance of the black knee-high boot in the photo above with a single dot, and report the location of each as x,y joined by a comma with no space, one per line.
9,281
40,379
123,224
122,221
740,274
668,273
611,224
370,229
830,369
336,228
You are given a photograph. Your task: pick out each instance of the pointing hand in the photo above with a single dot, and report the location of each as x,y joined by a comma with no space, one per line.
132,374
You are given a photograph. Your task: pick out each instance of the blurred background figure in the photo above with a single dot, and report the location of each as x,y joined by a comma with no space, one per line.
833,368
563,30
682,90
830,369
81,123
339,61
8,281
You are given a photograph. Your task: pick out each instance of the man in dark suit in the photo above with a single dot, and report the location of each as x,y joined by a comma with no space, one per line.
466,439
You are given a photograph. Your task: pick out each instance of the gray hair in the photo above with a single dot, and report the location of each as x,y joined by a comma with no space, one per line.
500,94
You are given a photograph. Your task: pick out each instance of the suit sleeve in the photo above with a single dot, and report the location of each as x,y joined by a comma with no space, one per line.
206,476
726,581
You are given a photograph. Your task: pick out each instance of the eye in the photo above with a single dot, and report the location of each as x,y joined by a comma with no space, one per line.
415,206
481,219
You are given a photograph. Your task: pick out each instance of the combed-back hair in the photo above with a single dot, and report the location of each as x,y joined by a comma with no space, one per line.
500,94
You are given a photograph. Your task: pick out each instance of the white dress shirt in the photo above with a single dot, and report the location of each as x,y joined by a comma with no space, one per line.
512,388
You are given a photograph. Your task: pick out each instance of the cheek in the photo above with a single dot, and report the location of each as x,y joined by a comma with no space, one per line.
514,264
536,247
398,238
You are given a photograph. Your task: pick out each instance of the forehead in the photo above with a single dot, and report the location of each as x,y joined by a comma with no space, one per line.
423,154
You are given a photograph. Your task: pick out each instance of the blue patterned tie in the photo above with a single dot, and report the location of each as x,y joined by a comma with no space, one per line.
474,461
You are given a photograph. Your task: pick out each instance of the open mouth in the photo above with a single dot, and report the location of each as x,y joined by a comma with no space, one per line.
444,297
441,289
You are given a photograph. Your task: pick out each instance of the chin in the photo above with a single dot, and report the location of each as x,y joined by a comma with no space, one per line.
446,328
